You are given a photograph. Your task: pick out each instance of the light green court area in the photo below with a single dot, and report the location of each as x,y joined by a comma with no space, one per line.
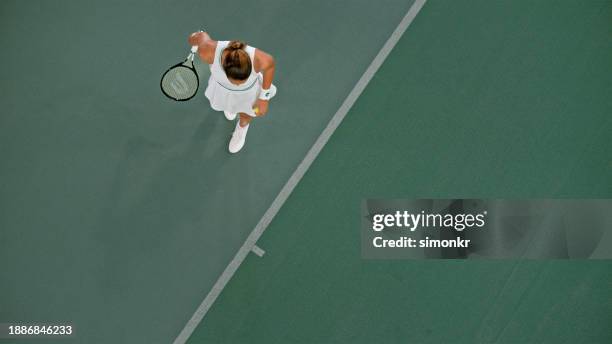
482,99
119,208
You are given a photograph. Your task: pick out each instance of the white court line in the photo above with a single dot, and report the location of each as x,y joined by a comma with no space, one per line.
263,223
258,251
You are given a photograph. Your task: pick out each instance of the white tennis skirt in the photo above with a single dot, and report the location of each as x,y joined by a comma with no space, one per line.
223,99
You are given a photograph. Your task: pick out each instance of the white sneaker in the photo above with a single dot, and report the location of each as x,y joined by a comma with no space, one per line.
238,138
230,116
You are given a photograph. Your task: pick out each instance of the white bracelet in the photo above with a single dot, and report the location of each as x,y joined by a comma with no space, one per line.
265,94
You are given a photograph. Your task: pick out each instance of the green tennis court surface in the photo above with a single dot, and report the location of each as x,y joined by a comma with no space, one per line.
478,99
119,209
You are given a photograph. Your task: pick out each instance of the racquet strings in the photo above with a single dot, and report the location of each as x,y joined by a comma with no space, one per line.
180,83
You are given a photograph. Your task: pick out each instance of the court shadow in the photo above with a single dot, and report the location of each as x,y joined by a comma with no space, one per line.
155,207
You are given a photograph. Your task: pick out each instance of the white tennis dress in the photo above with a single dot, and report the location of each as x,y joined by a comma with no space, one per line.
225,96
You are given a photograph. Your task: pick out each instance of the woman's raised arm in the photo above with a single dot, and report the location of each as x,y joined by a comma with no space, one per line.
206,45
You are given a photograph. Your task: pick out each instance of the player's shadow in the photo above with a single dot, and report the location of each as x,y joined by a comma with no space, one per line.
156,201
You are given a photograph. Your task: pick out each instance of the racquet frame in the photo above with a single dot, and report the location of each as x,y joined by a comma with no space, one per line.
188,63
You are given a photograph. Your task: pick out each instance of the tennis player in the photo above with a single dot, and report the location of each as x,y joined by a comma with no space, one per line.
240,81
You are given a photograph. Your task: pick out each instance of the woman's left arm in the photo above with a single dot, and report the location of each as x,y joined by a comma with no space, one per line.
264,63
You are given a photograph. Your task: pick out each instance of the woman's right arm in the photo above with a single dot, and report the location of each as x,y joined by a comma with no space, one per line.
206,46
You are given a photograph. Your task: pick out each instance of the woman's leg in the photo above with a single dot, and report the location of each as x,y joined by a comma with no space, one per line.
245,119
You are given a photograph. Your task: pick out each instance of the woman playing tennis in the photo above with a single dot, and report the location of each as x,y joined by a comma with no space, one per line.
240,81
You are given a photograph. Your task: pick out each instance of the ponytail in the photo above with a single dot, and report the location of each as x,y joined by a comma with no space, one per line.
236,61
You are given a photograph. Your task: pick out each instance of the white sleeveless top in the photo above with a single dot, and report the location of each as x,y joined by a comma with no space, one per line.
225,96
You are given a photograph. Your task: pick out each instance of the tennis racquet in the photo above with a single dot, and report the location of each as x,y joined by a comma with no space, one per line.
180,82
